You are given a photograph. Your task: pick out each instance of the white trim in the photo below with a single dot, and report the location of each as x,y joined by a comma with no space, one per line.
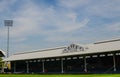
102,55
81,57
117,53
87,56
38,60
110,54
47,60
74,58
69,58
94,56
58,59
52,59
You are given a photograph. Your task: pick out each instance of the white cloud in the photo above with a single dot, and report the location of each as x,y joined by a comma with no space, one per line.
4,4
104,8
114,27
72,26
73,3
63,38
31,19
20,47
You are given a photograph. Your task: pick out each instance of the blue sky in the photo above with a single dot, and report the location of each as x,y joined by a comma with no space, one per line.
40,24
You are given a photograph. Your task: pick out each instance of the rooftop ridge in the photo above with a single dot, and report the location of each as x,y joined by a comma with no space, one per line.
40,50
113,40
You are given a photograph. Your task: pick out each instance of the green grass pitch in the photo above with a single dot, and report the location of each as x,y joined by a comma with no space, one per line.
60,75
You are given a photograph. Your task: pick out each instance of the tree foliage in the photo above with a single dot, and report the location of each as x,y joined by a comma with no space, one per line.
1,62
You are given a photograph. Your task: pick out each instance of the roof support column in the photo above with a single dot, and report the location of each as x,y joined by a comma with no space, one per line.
114,62
85,64
62,66
14,67
43,66
27,67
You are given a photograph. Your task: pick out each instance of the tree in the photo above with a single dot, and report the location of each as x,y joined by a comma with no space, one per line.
1,62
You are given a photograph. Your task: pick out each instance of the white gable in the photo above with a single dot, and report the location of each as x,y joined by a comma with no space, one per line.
2,53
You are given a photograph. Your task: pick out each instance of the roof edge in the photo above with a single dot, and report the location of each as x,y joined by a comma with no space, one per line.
41,50
106,41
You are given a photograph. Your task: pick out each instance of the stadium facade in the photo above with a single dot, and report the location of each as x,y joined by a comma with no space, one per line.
99,57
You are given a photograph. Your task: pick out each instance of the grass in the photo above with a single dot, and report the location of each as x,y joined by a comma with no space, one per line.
60,75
